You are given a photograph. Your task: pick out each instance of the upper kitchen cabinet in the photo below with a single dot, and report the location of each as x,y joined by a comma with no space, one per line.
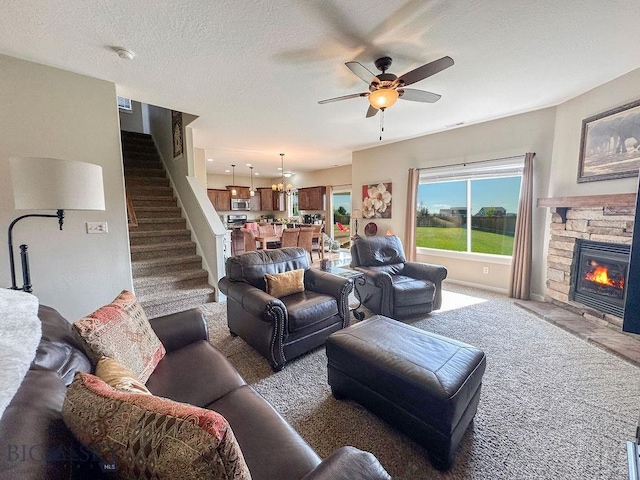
241,192
221,199
311,198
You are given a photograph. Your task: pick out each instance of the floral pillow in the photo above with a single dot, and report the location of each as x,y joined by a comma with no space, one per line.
121,330
148,437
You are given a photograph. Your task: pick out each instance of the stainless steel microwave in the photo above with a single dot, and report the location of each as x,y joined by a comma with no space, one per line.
240,204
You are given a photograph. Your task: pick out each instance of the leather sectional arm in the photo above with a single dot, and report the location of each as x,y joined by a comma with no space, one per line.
180,329
349,463
426,271
328,284
255,301
378,279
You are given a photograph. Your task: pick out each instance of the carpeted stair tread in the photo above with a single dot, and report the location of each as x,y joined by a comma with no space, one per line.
151,189
165,303
133,172
159,233
150,198
165,264
146,181
169,277
156,247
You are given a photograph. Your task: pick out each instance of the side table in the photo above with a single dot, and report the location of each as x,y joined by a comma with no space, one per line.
355,277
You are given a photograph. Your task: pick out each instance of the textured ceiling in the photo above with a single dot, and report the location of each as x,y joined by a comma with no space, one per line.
253,71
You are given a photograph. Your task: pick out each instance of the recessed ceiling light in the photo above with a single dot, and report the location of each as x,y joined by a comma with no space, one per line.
248,165
287,175
209,159
256,174
279,168
227,171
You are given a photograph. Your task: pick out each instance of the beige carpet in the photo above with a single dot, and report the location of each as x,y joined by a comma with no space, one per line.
552,406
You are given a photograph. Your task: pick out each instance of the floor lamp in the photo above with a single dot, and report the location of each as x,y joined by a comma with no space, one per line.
50,184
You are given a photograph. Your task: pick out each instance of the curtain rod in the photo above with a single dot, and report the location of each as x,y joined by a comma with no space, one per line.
464,164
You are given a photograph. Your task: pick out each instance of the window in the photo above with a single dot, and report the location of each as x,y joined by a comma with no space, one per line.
125,104
470,208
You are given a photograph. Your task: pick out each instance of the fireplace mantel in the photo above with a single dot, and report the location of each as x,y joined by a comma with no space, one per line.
560,205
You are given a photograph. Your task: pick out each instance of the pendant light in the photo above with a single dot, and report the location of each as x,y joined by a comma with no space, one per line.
280,187
252,192
234,192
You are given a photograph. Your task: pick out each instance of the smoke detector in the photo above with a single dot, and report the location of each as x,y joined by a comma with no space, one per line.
124,53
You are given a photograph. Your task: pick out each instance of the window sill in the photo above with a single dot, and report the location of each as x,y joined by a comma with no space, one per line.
477,257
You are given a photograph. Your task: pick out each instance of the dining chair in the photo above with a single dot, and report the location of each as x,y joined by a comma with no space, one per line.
316,246
266,230
289,237
305,239
249,240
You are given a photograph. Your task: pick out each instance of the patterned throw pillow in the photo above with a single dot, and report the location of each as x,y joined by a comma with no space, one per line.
150,437
119,377
120,330
283,284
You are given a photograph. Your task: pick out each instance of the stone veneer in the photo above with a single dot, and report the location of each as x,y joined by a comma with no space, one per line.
599,224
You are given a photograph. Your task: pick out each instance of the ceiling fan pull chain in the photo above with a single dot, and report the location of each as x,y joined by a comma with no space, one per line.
381,123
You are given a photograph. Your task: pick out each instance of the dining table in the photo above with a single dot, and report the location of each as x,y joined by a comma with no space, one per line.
265,240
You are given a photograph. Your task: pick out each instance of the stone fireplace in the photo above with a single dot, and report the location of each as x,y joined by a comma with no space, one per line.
588,254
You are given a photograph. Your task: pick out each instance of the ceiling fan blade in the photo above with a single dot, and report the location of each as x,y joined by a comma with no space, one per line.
418,95
362,72
344,97
372,111
425,71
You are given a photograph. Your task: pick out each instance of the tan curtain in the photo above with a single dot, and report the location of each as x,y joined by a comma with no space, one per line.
410,220
520,277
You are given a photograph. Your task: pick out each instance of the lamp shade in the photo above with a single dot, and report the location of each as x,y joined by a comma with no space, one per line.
53,184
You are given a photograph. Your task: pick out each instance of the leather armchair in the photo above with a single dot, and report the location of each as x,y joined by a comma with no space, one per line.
394,287
281,329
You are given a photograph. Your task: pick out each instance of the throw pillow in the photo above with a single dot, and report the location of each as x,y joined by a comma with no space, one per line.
283,284
152,437
121,330
117,376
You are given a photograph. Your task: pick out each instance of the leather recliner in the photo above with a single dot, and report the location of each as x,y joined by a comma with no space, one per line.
281,329
394,287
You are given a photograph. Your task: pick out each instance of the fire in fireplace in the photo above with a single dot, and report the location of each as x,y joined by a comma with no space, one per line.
599,276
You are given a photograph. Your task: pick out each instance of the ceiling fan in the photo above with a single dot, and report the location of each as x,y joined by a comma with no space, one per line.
386,88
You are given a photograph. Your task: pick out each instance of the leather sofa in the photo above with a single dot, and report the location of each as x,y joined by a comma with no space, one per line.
281,329
394,287
35,443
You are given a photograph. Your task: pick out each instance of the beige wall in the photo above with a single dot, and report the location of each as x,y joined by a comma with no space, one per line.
516,135
218,181
566,146
54,113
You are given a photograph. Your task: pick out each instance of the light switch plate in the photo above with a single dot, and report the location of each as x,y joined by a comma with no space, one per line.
97,227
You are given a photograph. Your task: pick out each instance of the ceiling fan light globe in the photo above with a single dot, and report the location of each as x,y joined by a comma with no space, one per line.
383,98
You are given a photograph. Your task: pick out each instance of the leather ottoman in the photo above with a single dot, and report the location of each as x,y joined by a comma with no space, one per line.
425,385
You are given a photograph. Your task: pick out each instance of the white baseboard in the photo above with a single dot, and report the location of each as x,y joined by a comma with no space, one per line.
503,291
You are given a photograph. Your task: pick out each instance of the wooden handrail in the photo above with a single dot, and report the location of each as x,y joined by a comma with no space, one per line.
131,212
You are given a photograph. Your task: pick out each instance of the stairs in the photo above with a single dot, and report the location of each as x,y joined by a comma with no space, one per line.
167,274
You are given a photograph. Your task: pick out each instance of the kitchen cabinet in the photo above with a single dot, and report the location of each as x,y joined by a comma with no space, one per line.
241,192
311,198
221,199
255,205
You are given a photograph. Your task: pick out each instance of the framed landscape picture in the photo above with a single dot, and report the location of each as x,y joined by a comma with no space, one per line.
610,144
376,200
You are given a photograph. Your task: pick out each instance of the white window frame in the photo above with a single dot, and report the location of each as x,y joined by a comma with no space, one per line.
488,169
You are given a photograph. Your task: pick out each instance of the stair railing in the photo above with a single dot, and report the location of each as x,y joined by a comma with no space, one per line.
131,213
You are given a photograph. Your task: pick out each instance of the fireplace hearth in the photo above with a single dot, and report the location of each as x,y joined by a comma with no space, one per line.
599,276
